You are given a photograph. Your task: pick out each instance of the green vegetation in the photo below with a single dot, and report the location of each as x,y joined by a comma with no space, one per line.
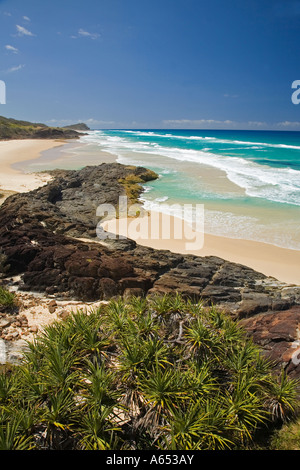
11,128
7,299
15,129
162,373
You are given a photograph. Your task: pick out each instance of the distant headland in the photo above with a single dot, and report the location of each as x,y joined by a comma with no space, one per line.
17,129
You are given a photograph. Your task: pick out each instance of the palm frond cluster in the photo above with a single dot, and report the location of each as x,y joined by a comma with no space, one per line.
161,373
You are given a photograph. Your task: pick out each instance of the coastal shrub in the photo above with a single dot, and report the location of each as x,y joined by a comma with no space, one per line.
7,298
162,373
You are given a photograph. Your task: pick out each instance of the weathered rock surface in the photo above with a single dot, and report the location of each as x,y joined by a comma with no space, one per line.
277,333
41,236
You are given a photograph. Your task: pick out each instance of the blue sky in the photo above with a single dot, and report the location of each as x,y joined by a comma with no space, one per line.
151,63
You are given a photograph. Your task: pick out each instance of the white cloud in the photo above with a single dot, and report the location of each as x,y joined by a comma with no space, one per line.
227,124
89,122
207,123
96,122
16,68
87,34
23,31
289,124
26,18
10,48
257,124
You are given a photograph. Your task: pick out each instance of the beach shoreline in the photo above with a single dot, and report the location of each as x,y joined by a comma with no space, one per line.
17,151
280,263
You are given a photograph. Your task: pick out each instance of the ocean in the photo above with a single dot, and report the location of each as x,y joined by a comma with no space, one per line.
247,181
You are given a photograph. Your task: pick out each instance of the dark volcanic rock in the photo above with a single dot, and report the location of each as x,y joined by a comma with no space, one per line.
41,232
48,237
55,133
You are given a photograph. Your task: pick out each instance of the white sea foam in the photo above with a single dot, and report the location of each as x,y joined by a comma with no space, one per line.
180,211
240,226
258,181
228,224
147,189
213,139
262,181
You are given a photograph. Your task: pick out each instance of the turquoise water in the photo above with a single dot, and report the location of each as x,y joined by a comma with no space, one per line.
248,181
264,164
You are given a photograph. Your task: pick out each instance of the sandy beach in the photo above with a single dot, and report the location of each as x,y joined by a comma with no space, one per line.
280,263
15,151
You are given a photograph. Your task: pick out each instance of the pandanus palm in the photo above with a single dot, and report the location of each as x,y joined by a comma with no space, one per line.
99,385
57,415
203,425
130,365
282,398
12,435
204,342
142,374
97,429
163,391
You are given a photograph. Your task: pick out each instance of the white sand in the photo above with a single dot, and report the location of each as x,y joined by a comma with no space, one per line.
16,151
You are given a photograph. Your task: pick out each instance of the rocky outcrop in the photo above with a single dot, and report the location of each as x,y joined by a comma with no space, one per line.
53,133
48,239
81,126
